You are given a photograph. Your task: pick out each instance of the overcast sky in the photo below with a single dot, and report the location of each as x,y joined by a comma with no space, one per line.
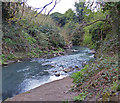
61,7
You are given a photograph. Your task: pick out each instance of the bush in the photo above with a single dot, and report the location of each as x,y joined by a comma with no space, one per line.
80,97
76,76
30,39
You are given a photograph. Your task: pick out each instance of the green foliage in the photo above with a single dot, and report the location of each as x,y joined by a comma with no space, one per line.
63,19
77,76
80,97
85,68
87,36
59,18
70,15
80,6
11,56
106,96
118,85
30,39
2,59
114,86
87,39
42,40
95,33
9,9
9,41
60,49
66,101
86,75
31,36
78,34
112,5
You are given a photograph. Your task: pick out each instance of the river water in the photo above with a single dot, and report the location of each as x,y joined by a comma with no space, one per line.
21,77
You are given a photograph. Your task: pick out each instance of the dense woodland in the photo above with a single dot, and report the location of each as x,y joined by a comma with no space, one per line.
26,35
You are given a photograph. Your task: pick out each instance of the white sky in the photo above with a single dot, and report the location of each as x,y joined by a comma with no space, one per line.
61,7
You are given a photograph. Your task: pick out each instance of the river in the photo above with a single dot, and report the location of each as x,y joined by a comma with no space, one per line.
21,77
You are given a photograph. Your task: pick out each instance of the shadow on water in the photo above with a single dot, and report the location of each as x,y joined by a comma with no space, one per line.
21,77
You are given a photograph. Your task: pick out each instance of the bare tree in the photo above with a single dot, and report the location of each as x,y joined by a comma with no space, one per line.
41,9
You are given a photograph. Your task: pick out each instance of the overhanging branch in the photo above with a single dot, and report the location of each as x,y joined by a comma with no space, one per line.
53,6
83,25
44,8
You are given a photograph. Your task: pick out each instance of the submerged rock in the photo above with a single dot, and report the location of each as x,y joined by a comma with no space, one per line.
66,70
57,74
54,71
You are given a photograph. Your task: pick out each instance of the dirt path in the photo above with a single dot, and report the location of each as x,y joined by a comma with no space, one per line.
54,91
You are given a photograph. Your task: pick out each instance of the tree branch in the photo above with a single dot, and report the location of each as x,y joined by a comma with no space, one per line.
44,8
83,25
53,7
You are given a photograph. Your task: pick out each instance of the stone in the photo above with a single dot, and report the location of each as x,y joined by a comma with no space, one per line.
19,61
76,67
92,51
66,70
58,54
54,55
57,74
54,71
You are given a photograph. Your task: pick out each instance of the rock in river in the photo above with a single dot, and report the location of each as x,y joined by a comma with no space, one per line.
57,74
92,51
66,70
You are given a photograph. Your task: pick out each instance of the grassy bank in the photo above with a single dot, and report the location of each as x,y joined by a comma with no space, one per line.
29,37
98,80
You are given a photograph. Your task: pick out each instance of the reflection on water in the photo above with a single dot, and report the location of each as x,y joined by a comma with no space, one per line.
21,77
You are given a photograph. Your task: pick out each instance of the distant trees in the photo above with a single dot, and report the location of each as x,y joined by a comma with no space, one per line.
79,8
70,15
76,16
70,20
59,18
62,19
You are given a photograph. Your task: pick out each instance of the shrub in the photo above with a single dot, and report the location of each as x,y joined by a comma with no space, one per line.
30,39
80,97
11,56
9,41
76,76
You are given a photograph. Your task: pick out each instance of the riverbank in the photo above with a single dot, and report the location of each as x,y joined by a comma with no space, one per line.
59,90
19,57
63,90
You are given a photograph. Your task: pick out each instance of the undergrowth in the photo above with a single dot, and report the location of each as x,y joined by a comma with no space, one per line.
98,76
